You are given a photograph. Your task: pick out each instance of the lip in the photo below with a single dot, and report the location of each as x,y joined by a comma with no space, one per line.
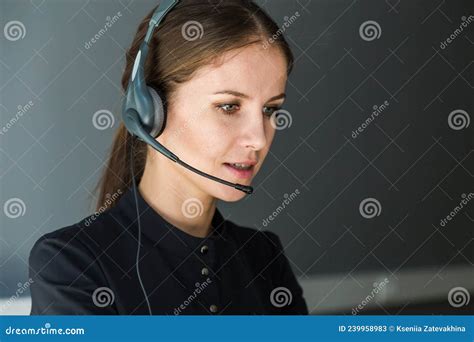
248,161
241,174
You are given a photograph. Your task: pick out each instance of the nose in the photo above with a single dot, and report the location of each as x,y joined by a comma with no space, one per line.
255,131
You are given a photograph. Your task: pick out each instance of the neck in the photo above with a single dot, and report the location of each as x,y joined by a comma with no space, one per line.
168,191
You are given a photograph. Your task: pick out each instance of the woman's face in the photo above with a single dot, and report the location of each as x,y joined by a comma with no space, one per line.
223,116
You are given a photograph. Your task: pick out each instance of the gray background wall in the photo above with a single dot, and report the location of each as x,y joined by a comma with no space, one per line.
409,158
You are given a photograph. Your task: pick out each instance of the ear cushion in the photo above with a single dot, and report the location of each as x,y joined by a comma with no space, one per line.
159,113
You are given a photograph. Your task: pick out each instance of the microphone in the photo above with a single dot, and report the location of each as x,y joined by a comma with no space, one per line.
134,125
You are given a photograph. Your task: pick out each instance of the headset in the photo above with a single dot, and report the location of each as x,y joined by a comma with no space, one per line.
144,116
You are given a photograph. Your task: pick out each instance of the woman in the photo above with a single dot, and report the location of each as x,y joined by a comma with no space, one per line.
162,247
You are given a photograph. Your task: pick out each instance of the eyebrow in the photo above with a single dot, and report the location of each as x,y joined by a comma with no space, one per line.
239,94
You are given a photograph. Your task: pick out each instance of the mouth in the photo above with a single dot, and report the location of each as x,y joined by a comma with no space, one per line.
242,170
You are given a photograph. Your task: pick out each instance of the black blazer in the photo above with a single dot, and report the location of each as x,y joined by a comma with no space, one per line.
89,268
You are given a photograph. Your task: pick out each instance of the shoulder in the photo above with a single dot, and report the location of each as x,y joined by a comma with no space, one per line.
59,257
71,254
96,230
65,270
76,243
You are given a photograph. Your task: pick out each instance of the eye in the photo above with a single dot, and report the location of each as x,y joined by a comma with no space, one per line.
268,111
228,108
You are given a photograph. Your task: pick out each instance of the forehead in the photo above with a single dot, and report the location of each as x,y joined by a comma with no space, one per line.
252,70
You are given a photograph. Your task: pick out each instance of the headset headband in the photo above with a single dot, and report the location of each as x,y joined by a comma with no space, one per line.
137,97
157,17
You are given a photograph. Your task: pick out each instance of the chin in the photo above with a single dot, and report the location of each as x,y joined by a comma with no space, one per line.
223,192
229,194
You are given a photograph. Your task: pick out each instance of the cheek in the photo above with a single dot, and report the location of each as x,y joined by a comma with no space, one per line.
197,138
269,134
215,138
176,131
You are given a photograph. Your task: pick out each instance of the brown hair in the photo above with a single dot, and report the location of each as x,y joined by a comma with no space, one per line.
172,59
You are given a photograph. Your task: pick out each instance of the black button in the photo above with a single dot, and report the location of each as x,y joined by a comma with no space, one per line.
205,271
204,249
213,308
